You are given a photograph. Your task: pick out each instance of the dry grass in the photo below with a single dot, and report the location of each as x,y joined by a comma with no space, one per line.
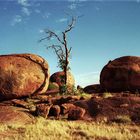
107,95
69,130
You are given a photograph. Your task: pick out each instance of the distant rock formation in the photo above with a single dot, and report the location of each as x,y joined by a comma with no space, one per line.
59,76
121,74
22,75
96,88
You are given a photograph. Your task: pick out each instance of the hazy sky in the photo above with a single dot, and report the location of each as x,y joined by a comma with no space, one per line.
107,30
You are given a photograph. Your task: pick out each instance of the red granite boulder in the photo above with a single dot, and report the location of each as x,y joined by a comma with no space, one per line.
22,75
15,115
55,111
43,110
74,112
58,78
96,88
121,74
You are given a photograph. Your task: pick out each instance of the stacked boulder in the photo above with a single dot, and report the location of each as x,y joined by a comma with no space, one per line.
27,75
21,75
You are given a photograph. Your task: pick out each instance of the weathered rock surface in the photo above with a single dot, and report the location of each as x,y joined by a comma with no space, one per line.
22,75
14,115
43,110
92,89
55,111
107,109
96,108
58,78
121,74
74,112
53,86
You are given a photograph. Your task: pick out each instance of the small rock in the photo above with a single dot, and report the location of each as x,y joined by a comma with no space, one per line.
43,110
73,112
18,102
55,111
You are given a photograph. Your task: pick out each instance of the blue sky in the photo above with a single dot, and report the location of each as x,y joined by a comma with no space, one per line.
107,30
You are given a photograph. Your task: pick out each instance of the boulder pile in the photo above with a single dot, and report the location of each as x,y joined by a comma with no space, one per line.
24,78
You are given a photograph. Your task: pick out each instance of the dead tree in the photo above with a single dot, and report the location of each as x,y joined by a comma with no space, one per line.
62,51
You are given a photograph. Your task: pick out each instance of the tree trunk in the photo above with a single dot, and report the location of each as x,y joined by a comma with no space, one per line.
65,76
66,69
66,57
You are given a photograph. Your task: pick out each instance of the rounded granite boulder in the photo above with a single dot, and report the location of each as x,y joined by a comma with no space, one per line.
58,78
121,74
22,75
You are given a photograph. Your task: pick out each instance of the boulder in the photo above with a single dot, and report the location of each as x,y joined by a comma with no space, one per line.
53,89
55,111
59,100
43,110
66,107
121,74
22,75
96,88
58,78
15,115
20,103
53,86
74,112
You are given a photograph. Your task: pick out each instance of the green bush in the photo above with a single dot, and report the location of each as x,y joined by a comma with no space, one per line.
53,86
122,119
63,89
106,95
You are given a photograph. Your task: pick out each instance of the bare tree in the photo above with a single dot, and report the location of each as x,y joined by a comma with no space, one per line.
62,51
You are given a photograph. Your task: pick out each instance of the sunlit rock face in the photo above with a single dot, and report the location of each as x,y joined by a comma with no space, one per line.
22,75
58,77
121,74
14,115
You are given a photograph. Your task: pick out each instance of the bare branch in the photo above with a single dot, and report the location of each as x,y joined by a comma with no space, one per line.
58,48
71,25
69,51
51,34
42,39
58,51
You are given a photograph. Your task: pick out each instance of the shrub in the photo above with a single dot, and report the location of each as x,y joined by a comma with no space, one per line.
53,85
63,89
122,119
85,95
106,95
